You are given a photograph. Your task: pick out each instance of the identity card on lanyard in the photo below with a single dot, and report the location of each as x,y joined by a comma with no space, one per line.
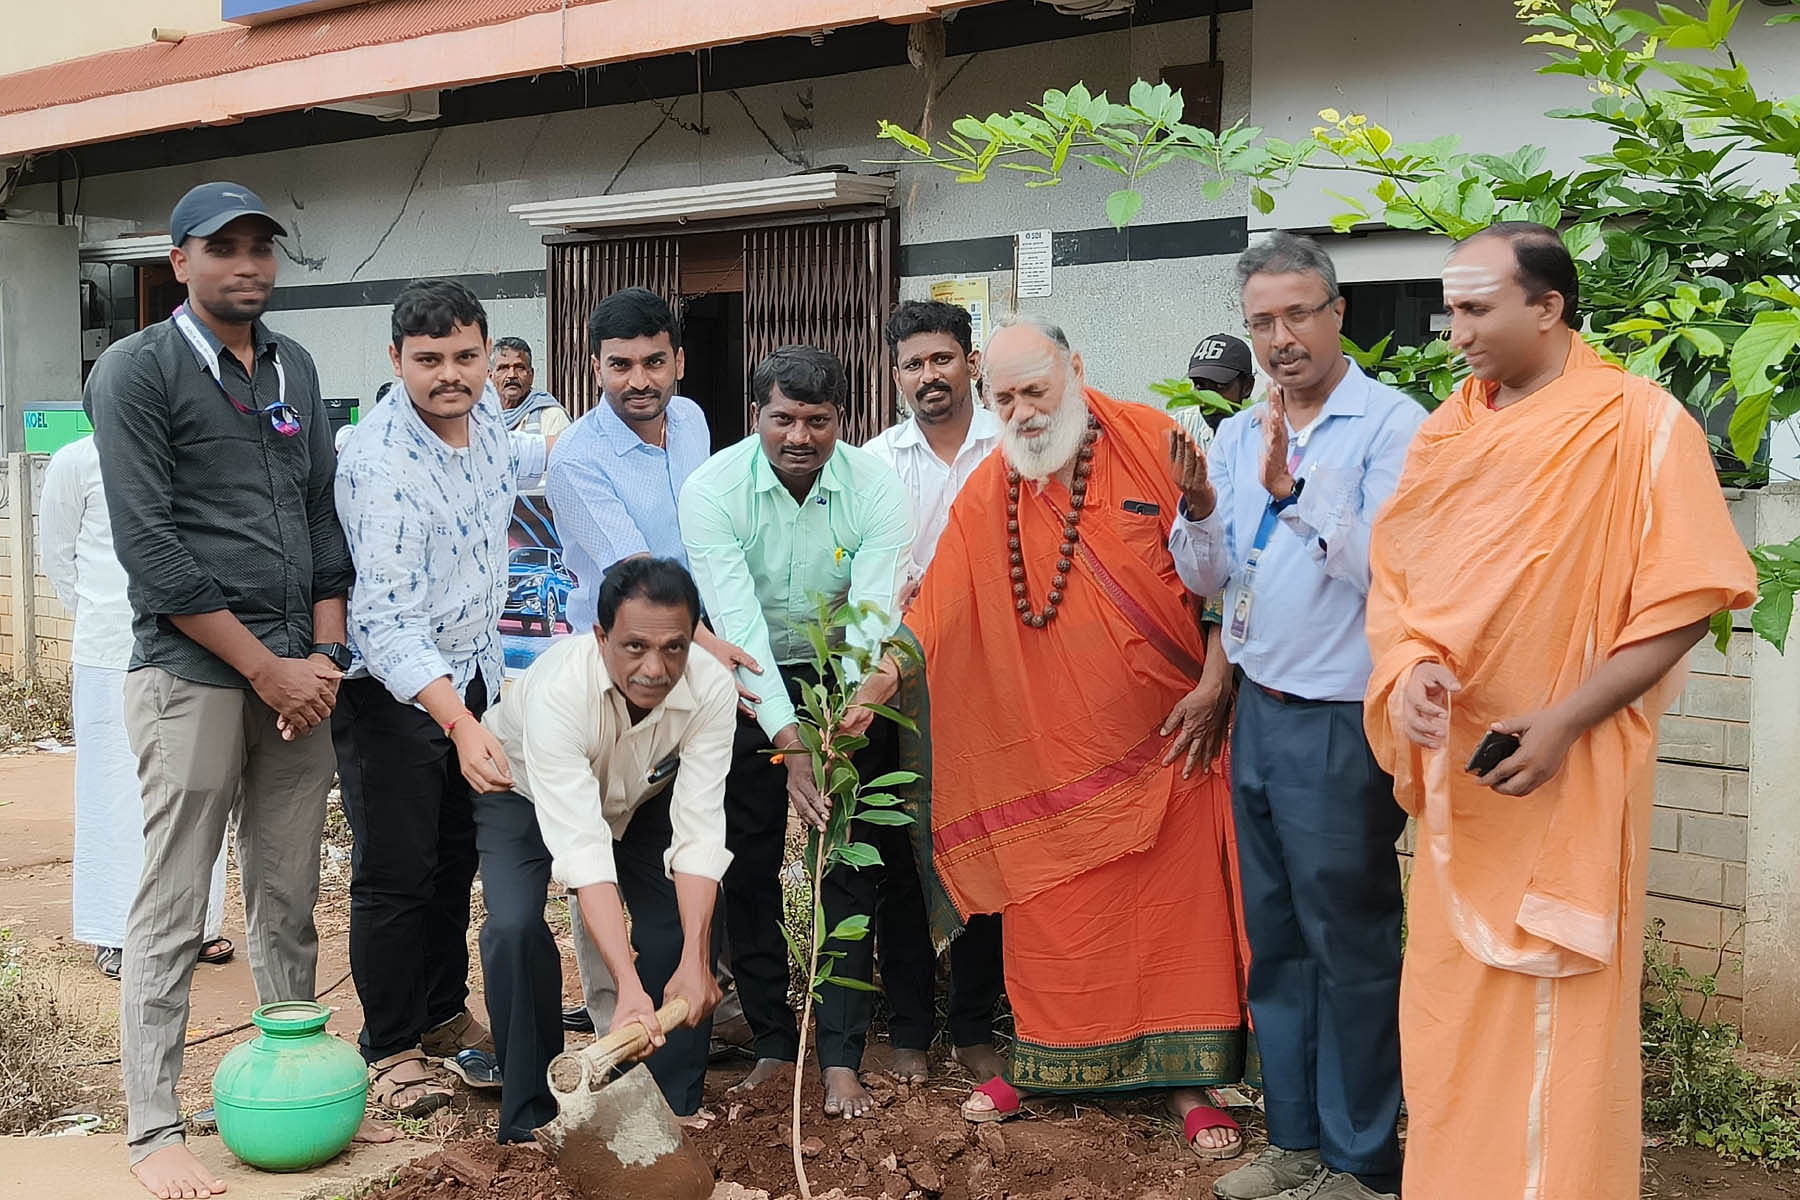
282,417
1238,629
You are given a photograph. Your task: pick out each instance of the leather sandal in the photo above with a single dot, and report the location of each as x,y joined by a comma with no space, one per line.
404,1085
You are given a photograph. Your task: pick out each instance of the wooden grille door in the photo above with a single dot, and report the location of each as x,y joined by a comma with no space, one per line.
581,274
829,284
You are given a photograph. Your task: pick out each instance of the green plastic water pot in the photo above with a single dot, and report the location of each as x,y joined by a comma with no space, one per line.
293,1097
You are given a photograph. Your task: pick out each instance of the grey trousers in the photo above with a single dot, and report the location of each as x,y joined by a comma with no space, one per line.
204,755
601,994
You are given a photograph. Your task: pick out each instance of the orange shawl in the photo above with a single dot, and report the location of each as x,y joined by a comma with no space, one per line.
1522,547
1046,750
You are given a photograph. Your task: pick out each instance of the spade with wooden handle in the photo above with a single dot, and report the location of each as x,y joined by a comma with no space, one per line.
621,1138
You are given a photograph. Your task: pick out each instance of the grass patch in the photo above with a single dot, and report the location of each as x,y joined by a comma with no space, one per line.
34,709
1695,1085
42,1029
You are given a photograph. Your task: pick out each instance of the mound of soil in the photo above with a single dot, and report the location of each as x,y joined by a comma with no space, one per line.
480,1167
917,1144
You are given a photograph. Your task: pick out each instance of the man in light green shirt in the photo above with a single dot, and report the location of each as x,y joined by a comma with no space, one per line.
787,515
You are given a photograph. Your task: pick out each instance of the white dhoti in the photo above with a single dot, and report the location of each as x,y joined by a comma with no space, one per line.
109,815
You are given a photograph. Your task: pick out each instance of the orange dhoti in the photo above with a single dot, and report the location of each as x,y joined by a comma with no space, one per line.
1522,549
1049,800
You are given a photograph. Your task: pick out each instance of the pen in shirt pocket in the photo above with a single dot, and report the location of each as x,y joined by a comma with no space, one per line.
663,769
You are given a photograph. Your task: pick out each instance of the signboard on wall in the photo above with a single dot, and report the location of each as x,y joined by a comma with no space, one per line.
261,12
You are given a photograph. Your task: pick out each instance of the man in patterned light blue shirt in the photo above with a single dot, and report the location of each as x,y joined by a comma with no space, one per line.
1277,513
425,492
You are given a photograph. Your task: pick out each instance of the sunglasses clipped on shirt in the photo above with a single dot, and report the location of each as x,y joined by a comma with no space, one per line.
283,418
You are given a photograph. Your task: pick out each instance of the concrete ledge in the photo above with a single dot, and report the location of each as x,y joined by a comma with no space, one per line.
95,1168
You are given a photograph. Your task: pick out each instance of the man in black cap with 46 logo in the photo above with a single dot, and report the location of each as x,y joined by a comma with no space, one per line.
216,455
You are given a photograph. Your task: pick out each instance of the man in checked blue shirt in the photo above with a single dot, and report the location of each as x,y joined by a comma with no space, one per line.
1278,514
425,492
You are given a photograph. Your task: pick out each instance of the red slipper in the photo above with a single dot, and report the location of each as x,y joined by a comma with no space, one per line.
1004,1096
1204,1118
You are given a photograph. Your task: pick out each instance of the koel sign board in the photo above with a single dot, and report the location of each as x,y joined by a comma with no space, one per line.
261,12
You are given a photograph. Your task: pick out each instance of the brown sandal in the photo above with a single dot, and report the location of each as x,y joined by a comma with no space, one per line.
405,1085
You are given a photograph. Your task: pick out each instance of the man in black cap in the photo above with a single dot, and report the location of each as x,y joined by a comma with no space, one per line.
1222,364
215,450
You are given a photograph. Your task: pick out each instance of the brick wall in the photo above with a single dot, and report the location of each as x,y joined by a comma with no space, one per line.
1699,829
53,627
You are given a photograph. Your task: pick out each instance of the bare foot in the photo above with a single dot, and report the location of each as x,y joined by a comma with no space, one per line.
173,1173
373,1132
1182,1101
982,1061
764,1070
911,1066
845,1095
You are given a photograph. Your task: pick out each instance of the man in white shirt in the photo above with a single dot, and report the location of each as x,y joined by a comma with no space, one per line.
619,745
75,550
934,452
425,493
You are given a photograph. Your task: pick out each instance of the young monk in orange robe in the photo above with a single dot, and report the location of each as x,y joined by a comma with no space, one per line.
1555,547
1058,797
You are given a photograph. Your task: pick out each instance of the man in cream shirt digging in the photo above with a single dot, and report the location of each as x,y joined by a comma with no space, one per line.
618,744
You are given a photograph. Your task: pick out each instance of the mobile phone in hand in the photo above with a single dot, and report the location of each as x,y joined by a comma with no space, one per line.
1494,749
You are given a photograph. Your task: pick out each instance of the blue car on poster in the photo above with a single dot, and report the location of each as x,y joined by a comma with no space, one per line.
537,588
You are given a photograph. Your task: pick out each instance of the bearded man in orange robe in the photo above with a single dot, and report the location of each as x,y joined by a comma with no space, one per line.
1555,547
1068,699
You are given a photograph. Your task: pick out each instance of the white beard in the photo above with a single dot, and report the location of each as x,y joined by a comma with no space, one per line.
1038,458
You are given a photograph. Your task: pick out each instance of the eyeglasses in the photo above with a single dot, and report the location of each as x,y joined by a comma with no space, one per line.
1297,319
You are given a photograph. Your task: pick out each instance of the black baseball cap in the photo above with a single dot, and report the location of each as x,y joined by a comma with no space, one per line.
1221,358
212,206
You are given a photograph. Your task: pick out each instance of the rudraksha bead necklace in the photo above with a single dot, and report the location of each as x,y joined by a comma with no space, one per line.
1084,466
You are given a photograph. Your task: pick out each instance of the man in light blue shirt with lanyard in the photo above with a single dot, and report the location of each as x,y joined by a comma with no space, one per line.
1278,514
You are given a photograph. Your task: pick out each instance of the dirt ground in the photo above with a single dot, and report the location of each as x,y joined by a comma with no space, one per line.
915,1145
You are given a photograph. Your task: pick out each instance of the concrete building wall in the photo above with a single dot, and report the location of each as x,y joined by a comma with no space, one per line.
76,28
434,201
1423,69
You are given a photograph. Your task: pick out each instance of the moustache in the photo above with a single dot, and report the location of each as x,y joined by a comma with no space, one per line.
650,395
449,389
1031,425
648,682
932,389
1288,358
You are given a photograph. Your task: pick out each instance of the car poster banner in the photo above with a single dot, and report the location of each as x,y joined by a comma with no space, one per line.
538,583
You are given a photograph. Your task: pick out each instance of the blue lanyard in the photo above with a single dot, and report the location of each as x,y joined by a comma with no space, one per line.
1270,517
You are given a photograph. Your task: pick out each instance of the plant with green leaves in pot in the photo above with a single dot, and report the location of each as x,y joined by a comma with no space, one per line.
1686,227
823,713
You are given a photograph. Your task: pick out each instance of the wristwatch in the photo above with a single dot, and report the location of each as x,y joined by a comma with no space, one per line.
1293,497
337,652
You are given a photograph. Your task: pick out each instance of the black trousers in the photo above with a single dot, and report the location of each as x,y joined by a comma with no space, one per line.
1316,826
412,865
522,967
977,977
756,817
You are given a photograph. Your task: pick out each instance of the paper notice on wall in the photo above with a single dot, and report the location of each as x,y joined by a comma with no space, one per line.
971,293
1031,263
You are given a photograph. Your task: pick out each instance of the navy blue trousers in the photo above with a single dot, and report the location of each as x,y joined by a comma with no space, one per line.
1316,826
